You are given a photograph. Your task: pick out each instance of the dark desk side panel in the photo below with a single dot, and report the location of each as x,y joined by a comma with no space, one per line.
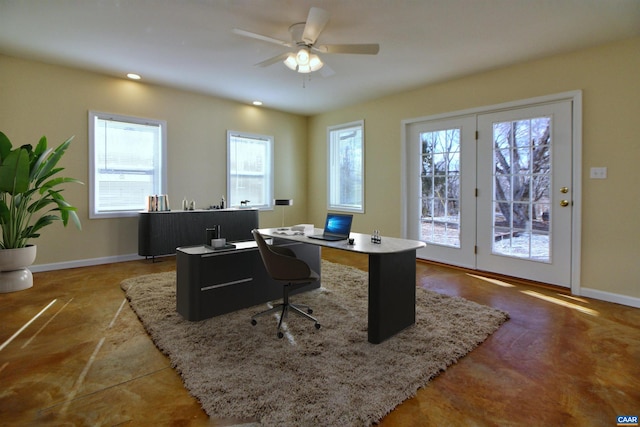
209,286
392,294
214,285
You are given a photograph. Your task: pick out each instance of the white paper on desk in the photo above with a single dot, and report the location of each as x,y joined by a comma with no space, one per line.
305,228
285,232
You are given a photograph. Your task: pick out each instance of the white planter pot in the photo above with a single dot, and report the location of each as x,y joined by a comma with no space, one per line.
14,274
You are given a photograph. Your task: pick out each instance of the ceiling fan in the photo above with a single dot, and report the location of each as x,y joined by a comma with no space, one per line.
303,38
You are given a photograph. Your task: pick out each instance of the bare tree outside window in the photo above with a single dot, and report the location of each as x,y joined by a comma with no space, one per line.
440,181
522,162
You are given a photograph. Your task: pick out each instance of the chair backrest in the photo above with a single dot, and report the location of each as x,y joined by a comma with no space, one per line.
278,265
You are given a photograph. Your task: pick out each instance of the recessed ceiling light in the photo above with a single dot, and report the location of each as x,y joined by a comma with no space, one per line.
257,102
134,76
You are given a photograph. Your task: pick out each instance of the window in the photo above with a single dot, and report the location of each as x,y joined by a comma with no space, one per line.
440,187
249,170
346,167
127,163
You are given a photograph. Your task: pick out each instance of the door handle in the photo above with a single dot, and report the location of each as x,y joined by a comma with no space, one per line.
564,203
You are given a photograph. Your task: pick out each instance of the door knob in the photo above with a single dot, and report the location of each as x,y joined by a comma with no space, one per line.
564,203
564,190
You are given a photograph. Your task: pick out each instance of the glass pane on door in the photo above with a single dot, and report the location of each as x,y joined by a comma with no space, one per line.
440,187
521,185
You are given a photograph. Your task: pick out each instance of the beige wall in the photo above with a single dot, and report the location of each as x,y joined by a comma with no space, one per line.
38,99
609,77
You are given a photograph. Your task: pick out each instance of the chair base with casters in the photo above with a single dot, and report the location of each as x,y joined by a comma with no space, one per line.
286,307
282,265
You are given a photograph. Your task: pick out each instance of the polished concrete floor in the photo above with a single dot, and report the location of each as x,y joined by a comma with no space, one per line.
86,360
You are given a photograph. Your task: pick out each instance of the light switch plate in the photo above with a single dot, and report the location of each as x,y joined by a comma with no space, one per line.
598,173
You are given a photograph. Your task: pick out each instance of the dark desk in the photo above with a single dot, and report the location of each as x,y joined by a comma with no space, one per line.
392,278
213,282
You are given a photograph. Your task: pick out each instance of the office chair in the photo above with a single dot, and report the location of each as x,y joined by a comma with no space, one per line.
282,265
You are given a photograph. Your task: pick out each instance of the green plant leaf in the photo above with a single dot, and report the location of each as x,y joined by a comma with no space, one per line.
52,158
5,146
57,181
36,165
39,204
74,217
43,221
4,212
14,172
41,147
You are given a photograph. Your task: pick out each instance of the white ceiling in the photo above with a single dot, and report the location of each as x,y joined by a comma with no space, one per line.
189,44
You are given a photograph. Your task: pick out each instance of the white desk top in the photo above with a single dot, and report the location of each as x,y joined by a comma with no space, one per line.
362,242
208,250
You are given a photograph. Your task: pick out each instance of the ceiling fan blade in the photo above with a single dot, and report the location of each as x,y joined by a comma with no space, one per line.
316,21
326,70
260,37
272,60
364,49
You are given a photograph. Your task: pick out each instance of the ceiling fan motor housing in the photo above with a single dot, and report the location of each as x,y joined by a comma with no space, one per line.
296,31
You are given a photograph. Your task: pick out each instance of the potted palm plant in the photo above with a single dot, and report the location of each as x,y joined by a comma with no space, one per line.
30,199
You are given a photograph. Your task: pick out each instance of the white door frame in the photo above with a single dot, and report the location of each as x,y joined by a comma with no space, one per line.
576,215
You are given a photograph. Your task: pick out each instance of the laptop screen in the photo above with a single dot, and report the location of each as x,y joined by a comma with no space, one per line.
338,224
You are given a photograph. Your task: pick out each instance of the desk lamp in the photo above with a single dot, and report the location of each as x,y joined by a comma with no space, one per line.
283,203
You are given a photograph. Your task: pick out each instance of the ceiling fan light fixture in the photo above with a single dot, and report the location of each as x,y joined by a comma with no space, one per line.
315,63
303,57
290,62
303,61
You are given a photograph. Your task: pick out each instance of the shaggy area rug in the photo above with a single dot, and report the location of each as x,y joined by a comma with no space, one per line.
331,376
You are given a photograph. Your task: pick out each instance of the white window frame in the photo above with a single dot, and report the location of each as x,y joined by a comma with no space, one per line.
159,177
268,175
333,175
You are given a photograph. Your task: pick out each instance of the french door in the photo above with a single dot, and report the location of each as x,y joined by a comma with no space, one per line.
493,190
525,193
441,188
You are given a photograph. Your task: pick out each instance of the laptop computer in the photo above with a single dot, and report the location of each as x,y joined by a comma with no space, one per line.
336,227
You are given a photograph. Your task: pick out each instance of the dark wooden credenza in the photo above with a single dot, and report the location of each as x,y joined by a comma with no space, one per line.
160,233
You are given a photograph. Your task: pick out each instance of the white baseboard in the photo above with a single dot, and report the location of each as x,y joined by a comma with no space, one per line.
610,297
36,268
